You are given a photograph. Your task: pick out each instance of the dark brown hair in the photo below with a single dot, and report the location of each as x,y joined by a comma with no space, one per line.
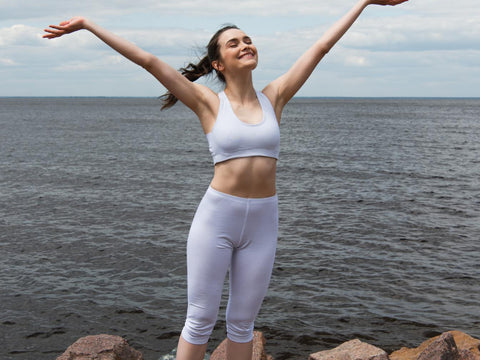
204,67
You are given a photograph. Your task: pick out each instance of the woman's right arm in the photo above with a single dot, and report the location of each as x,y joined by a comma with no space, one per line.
197,97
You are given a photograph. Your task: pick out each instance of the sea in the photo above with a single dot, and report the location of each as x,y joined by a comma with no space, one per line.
379,234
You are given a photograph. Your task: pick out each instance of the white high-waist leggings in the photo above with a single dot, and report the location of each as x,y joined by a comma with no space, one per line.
229,232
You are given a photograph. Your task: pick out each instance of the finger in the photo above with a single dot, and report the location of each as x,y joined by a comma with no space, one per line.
50,36
58,27
55,32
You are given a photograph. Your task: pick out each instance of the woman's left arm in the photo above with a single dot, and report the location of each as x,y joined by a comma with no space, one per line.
281,90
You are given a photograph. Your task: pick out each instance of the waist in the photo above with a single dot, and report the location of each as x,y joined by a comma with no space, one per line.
241,199
249,177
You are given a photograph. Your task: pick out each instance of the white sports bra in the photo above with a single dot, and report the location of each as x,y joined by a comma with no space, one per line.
233,138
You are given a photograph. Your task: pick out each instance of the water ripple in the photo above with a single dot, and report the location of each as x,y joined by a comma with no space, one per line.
378,238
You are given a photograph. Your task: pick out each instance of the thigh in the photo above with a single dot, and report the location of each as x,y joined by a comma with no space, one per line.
209,253
252,264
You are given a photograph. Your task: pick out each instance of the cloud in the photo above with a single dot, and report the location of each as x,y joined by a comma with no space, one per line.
447,9
169,41
7,62
26,9
414,32
18,35
102,63
355,60
50,9
413,46
246,7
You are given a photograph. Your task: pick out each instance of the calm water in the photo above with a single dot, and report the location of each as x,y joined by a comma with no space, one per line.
379,223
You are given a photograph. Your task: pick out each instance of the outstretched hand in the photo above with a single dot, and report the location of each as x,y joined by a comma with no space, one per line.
65,27
386,2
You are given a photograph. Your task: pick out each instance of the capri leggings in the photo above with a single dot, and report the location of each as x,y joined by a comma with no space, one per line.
235,233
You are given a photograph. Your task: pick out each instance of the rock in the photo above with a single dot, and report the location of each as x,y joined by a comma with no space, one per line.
351,350
468,343
468,355
443,348
465,344
258,352
101,347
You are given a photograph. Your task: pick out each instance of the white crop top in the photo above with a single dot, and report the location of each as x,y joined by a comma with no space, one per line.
233,138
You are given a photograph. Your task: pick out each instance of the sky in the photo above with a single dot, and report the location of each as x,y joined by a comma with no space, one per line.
422,48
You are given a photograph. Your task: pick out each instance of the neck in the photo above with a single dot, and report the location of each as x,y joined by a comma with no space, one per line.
240,87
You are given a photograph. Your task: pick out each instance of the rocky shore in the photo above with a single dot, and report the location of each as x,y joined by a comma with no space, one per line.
451,345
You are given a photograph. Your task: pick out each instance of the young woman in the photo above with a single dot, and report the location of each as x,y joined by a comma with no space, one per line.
235,226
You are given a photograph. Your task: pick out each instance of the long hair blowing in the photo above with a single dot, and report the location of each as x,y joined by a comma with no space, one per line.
204,67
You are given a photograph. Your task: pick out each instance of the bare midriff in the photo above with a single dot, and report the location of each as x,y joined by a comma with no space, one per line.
248,177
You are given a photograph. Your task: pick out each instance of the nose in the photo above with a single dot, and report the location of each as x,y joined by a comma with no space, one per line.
246,46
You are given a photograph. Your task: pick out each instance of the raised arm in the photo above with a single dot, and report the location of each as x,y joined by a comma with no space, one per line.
281,90
191,94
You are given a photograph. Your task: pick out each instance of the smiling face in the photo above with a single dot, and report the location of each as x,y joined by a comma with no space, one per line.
237,52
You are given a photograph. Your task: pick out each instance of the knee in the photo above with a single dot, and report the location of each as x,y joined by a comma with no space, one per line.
240,330
197,329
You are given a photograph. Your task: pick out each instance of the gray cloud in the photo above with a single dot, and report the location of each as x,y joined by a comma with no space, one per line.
420,40
26,9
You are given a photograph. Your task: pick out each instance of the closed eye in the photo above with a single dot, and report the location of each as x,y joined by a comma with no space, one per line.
232,43
247,40
235,42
